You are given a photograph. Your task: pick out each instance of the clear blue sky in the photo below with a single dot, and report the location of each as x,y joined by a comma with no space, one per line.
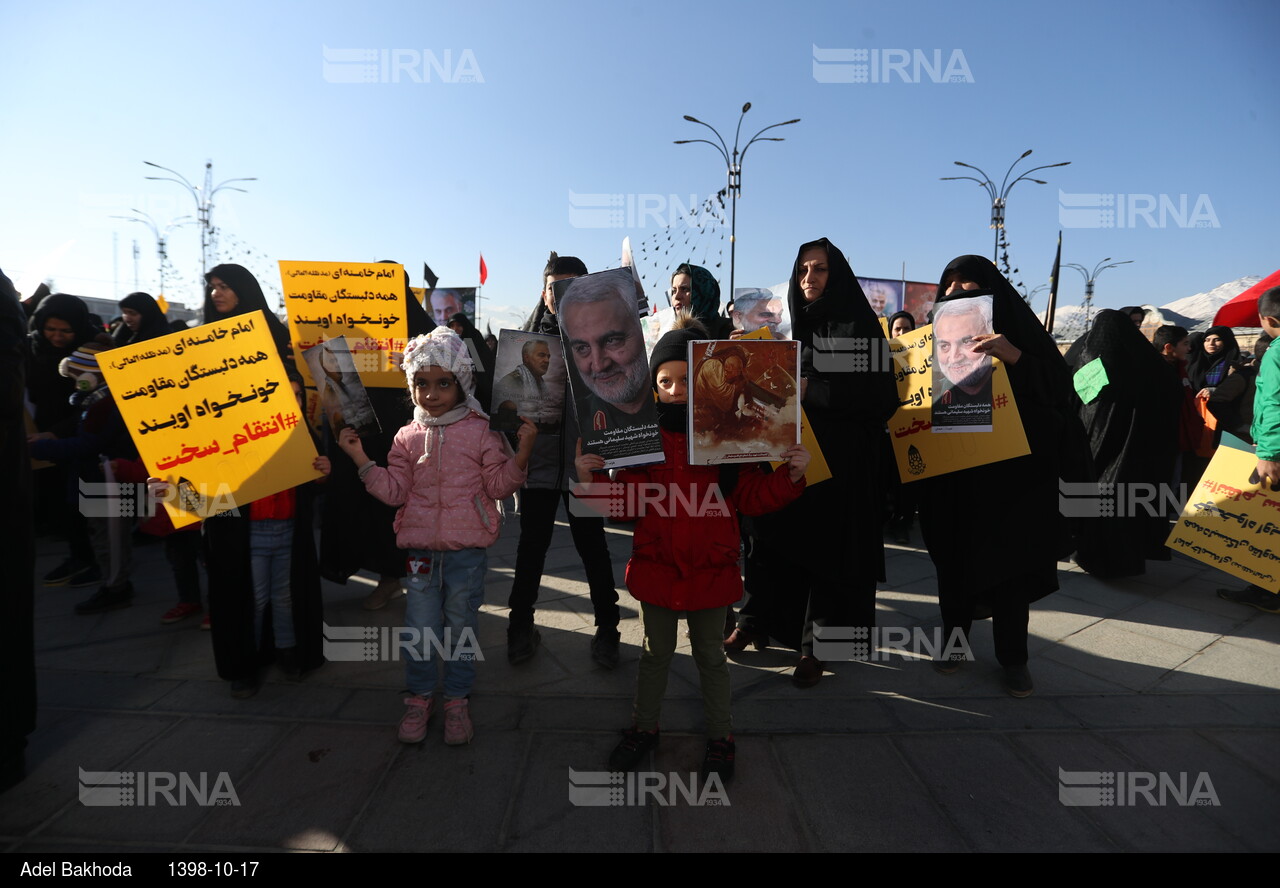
1144,98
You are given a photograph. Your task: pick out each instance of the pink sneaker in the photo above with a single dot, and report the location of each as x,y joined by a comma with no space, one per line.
457,722
413,727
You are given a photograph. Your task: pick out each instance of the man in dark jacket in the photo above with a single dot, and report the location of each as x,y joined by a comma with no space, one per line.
549,478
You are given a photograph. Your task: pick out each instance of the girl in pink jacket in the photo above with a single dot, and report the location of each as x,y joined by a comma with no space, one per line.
446,471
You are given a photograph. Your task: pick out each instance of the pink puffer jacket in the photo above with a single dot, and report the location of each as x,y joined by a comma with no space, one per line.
446,480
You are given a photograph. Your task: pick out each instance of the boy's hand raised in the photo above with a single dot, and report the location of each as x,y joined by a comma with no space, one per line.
587,463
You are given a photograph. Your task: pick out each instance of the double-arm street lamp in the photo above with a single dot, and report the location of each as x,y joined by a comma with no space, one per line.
203,197
733,163
1089,278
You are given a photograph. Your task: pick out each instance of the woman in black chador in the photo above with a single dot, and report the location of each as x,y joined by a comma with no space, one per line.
816,562
993,531
1132,424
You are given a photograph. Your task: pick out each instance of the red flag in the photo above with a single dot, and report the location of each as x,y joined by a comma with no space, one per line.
484,270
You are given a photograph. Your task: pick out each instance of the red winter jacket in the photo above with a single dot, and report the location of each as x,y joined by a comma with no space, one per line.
686,544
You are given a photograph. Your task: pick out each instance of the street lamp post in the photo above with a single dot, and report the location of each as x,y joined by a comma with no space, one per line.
1089,278
161,238
1000,196
733,165
203,197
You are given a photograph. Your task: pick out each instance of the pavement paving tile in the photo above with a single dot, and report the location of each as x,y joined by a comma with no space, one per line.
1129,828
1226,666
859,794
1243,798
443,798
993,798
307,791
1155,710
62,744
758,813
559,769
1131,659
196,750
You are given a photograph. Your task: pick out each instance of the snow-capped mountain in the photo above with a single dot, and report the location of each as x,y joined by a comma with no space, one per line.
1193,312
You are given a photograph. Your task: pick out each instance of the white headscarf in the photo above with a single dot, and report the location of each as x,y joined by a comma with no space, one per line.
446,349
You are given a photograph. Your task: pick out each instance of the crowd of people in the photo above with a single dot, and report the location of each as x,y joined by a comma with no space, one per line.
417,504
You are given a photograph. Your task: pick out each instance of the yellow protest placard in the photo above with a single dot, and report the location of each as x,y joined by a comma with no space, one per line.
363,301
921,454
211,411
818,469
1230,523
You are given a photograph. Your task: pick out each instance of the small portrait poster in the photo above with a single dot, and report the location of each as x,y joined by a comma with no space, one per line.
341,395
962,376
529,382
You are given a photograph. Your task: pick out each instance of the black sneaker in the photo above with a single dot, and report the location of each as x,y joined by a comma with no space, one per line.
106,599
1017,681
522,641
634,747
1254,596
289,663
61,574
244,688
604,648
85,576
718,759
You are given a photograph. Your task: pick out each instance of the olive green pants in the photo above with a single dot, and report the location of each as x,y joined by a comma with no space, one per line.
706,635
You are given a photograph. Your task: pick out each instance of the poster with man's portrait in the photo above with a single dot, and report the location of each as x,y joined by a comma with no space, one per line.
744,400
341,395
961,374
918,300
756,307
529,382
884,296
443,303
608,367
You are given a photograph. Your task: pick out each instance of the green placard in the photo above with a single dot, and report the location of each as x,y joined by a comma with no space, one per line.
1090,379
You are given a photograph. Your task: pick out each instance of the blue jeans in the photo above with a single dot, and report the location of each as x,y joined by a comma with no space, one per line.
444,596
271,549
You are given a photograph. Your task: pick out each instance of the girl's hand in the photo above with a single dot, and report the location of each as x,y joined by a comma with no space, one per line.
349,441
1204,393
798,461
587,463
525,436
997,346
322,465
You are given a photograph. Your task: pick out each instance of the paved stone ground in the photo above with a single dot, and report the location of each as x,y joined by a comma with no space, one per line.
1152,675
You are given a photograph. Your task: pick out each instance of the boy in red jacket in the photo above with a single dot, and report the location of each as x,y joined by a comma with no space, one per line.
685,554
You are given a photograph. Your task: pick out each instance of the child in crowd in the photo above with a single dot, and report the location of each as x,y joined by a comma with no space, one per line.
685,555
445,471
101,437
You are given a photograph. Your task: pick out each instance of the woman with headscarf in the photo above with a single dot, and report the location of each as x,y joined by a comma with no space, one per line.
1132,425
244,638
817,561
694,289
142,319
232,290
1210,363
59,326
356,530
461,324
993,531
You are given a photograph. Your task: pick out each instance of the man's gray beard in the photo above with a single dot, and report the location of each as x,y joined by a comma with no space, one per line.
635,380
976,378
